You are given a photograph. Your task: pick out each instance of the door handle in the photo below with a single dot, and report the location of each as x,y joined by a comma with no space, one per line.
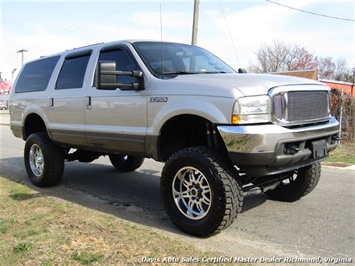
51,103
88,102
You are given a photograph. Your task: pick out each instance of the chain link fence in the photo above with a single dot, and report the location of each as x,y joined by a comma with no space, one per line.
343,108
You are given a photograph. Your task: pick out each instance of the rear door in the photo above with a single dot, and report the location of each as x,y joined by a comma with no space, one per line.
116,120
67,101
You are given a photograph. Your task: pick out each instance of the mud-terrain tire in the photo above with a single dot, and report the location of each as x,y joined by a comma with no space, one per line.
200,191
299,184
126,163
44,161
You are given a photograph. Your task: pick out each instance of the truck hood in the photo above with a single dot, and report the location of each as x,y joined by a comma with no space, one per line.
245,84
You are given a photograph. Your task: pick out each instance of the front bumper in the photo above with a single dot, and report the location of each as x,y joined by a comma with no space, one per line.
271,149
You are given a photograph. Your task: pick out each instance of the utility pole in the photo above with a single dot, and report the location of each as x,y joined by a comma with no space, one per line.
195,22
12,74
22,56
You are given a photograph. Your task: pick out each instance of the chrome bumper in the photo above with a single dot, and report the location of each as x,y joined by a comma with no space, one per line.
271,149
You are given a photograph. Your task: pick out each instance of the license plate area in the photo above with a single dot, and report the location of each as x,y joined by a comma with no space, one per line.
319,149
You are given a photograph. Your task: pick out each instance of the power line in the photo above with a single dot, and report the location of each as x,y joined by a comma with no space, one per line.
85,25
36,16
309,12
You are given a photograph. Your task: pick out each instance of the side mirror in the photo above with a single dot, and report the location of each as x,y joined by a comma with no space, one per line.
242,70
106,75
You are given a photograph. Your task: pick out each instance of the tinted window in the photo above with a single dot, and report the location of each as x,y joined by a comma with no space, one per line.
36,75
72,73
123,63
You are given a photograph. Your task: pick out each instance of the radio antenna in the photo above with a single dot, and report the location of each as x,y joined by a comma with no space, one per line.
161,44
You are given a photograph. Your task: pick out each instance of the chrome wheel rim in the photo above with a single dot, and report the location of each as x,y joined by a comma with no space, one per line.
192,193
36,160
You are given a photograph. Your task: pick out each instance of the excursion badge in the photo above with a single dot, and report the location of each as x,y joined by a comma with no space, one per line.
158,99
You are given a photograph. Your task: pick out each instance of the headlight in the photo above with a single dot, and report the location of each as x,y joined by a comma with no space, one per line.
255,109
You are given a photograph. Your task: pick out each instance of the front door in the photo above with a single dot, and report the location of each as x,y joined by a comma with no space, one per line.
116,120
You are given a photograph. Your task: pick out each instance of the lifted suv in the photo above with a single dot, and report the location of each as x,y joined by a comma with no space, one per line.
219,132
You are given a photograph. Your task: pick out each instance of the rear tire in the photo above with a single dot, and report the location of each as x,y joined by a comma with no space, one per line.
44,161
299,184
200,191
126,163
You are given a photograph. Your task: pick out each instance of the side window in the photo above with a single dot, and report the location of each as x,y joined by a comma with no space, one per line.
123,63
72,73
36,75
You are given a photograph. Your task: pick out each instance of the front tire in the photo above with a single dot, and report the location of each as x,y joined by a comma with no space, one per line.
300,183
200,191
44,161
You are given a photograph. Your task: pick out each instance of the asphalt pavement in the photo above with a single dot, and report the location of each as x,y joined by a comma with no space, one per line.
319,227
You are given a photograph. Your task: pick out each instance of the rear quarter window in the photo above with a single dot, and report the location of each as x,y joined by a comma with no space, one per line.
36,75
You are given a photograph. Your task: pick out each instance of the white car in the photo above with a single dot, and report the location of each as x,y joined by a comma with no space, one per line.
3,106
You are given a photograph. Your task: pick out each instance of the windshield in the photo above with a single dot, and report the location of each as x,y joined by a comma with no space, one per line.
177,59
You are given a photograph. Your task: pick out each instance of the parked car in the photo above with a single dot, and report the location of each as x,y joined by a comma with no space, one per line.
3,106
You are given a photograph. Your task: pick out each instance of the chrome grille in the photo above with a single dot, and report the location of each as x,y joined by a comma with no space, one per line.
295,107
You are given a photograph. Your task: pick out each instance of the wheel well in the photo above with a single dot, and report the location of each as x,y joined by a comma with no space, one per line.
33,123
187,131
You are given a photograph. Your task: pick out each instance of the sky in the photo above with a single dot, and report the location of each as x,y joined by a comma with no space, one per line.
232,30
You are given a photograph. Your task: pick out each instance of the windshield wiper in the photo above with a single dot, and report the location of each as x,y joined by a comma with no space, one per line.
182,72
214,72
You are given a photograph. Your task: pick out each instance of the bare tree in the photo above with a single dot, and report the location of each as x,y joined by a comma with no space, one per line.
303,60
271,58
342,72
283,57
341,66
326,68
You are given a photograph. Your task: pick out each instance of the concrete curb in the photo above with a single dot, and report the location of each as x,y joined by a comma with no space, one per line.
347,168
